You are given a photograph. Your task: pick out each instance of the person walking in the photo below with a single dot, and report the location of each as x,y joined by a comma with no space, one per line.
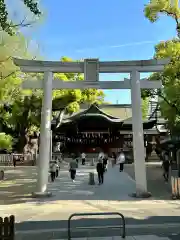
101,155
72,169
166,165
53,168
113,159
121,161
105,162
83,158
100,171
14,160
57,169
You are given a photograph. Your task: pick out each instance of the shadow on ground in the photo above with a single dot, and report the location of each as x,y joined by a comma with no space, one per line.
97,227
21,181
155,181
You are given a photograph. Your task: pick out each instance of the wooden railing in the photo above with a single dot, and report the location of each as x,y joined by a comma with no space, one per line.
7,230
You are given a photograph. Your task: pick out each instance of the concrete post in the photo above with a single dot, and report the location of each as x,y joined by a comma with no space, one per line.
138,136
45,137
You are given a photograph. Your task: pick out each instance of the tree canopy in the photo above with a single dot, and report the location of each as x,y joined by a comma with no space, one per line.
170,8
169,95
20,109
7,24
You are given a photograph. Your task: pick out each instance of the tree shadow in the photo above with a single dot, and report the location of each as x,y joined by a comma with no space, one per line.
21,182
97,227
159,189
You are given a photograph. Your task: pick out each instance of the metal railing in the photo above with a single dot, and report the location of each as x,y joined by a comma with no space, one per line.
121,226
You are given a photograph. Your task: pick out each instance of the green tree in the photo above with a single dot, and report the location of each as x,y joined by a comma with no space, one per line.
169,95
7,24
170,8
11,94
5,141
23,113
145,107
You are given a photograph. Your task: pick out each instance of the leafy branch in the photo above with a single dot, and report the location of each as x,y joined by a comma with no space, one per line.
7,25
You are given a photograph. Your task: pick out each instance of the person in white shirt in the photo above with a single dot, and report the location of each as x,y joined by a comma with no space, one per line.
53,168
121,161
101,155
83,158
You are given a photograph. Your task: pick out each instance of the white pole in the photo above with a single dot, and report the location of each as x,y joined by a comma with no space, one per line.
44,150
138,136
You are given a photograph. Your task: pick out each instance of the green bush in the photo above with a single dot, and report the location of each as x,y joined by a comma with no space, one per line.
5,141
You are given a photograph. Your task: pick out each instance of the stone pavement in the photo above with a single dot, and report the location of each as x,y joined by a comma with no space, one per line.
117,186
50,215
78,197
141,237
154,173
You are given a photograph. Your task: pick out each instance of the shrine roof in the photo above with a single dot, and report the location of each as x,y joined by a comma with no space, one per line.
114,111
92,111
97,117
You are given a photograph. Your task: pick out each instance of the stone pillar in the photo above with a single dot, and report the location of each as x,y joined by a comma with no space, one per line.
44,150
138,136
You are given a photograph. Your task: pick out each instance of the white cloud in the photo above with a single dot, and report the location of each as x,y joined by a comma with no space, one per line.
119,45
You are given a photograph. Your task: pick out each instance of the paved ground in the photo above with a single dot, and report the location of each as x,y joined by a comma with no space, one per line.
18,184
147,237
156,185
38,218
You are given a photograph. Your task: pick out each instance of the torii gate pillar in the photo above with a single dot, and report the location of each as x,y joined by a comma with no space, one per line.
138,136
45,136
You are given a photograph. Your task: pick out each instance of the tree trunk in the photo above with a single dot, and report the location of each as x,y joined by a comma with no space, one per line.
22,141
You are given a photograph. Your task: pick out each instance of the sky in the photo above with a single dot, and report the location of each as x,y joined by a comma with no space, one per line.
108,30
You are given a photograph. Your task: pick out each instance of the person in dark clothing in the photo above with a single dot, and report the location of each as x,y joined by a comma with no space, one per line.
166,165
100,171
14,160
72,169
113,159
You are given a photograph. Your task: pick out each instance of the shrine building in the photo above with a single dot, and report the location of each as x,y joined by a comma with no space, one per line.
107,127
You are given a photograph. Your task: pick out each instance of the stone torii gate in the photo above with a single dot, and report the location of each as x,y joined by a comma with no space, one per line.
91,69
